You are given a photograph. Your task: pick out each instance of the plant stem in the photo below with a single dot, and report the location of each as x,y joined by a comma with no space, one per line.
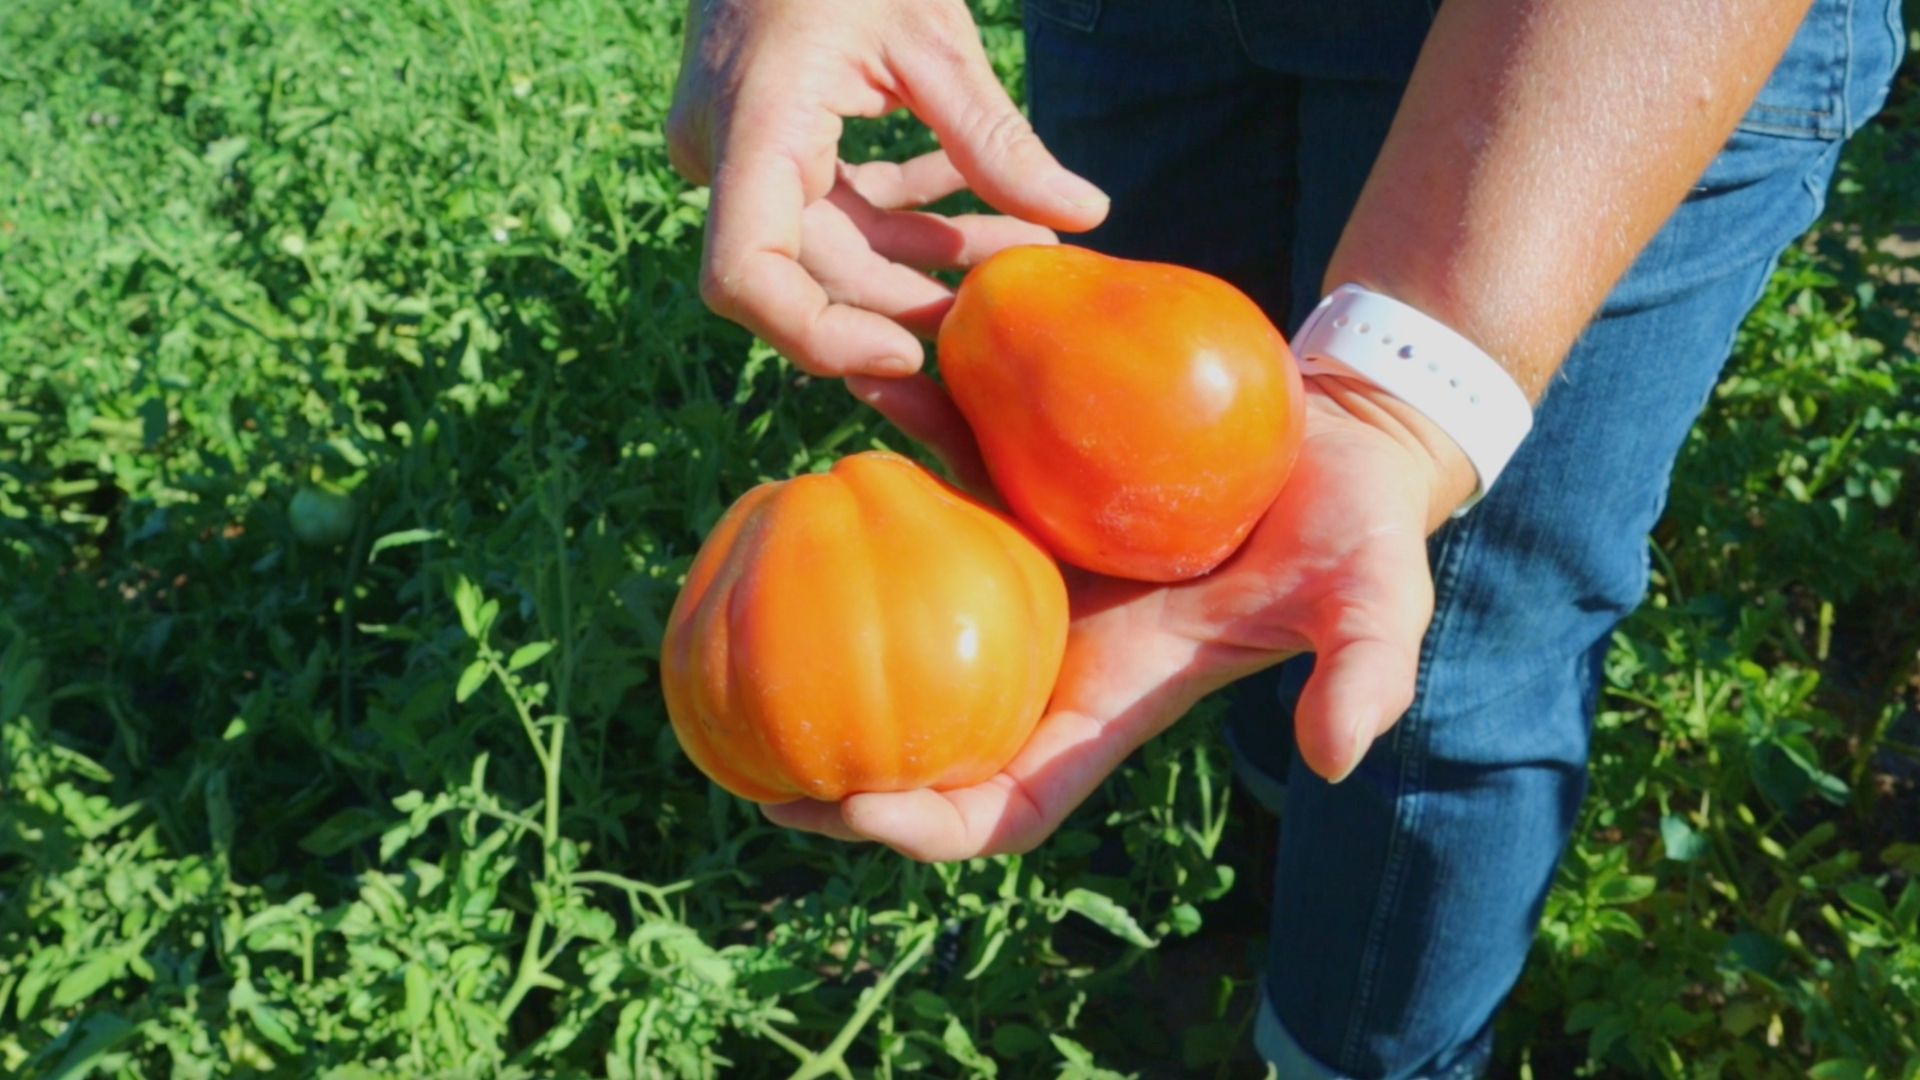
532,964
832,1060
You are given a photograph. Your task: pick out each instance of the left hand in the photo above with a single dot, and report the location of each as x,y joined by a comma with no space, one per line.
1337,566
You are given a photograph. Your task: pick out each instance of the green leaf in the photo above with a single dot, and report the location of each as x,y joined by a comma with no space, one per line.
1906,911
1208,1044
1682,842
929,1005
394,839
780,981
1902,856
1740,1017
401,539
104,1032
1185,919
1753,951
1586,1015
1839,1069
528,654
84,980
1624,889
419,1001
466,601
1815,837
275,1025
1016,1040
1780,779
1862,897
343,830
1103,911
488,612
1073,1052
470,681
960,1047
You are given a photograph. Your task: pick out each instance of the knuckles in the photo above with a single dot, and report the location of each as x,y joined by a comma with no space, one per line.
688,147
720,290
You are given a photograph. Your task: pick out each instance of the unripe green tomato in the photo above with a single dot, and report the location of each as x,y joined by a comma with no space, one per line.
555,221
322,516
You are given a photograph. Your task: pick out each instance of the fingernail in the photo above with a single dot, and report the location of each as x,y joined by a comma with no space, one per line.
1076,191
891,367
1357,752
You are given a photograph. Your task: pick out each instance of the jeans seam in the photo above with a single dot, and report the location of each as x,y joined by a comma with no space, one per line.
1239,32
1846,77
1411,736
1815,188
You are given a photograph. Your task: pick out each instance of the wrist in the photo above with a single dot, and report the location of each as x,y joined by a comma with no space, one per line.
1458,401
1450,476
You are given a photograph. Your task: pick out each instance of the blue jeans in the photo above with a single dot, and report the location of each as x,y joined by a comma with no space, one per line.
1234,135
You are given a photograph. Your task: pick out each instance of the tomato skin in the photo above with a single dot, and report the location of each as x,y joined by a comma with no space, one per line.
1140,417
865,629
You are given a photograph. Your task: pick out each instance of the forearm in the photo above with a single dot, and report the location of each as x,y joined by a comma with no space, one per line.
1540,145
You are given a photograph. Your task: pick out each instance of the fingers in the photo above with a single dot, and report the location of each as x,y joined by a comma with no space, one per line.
1068,756
752,275
863,257
852,273
933,241
925,413
950,85
905,185
831,285
1013,812
1119,686
810,815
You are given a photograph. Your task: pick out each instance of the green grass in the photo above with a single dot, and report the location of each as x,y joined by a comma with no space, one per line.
403,801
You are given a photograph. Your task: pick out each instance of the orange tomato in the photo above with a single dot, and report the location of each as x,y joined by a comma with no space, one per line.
865,629
1140,417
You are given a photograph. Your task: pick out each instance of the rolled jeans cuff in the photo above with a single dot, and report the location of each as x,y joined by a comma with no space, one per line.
1278,1048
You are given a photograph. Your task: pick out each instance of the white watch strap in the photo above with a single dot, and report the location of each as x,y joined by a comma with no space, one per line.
1425,363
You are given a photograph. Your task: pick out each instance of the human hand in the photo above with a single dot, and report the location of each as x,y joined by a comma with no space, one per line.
1338,566
821,258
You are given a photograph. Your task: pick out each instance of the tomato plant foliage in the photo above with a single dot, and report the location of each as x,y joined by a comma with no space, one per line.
397,796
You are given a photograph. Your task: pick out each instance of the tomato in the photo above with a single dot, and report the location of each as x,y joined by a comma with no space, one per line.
1140,417
865,629
322,516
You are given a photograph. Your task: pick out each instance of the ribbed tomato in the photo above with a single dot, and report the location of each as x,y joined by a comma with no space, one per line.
865,629
1140,417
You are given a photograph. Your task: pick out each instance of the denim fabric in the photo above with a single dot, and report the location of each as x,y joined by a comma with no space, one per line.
1406,897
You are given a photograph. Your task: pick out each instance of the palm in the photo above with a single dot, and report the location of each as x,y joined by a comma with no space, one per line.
1337,565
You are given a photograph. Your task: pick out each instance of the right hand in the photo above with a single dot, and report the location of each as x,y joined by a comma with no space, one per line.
819,257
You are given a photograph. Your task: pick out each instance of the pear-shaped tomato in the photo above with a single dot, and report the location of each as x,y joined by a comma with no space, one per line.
865,629
1140,417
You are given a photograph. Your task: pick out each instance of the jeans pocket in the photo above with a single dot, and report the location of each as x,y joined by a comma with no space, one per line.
1835,73
1079,15
1805,95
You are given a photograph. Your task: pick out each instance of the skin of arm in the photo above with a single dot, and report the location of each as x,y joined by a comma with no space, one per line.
1538,148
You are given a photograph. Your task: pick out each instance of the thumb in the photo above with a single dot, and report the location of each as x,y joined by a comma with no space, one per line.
1357,691
952,88
1367,636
